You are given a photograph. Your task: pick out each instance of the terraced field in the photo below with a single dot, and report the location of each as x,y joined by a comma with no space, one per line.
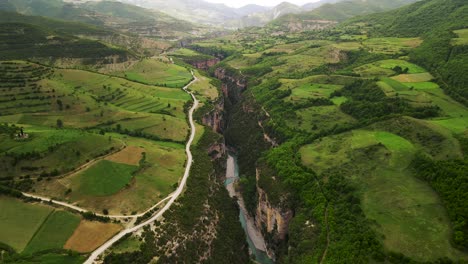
391,45
101,142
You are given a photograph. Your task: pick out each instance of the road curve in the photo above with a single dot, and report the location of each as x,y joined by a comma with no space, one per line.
175,195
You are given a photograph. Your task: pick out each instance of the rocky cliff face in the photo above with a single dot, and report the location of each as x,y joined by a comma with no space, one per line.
205,64
215,118
232,85
271,219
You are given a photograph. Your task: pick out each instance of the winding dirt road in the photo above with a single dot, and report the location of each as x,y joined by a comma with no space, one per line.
92,258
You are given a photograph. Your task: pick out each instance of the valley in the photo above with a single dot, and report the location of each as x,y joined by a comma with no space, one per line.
194,132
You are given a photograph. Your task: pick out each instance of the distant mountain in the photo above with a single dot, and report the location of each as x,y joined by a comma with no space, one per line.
196,11
314,5
199,11
251,9
343,10
262,18
117,15
327,14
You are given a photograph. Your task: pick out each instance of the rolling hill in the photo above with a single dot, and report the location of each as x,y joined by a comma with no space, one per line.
118,16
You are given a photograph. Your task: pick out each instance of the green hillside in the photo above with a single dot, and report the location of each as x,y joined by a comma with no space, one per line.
436,21
26,41
344,10
110,14
362,125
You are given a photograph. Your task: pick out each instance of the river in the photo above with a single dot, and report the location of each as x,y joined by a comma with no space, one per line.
255,239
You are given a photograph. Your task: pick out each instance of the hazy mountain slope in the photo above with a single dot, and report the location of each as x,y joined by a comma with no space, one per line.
344,10
117,15
262,18
197,11
47,40
251,9
311,6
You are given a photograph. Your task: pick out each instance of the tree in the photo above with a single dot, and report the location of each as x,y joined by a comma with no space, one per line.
59,123
60,104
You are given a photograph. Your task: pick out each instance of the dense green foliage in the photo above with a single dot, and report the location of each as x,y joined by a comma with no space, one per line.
24,41
369,102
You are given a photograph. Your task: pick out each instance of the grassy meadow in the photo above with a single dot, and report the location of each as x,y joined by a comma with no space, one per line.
157,72
406,211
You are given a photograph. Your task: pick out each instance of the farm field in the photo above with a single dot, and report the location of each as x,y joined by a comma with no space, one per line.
157,72
60,150
391,45
156,172
385,68
414,78
312,91
19,221
313,119
54,232
410,204
103,179
90,235
462,38
52,258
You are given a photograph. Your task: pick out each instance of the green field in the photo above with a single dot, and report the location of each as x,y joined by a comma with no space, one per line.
163,167
314,119
394,84
414,78
204,90
462,38
54,232
104,178
19,221
408,213
157,72
385,68
312,90
60,149
130,244
52,258
391,45
422,85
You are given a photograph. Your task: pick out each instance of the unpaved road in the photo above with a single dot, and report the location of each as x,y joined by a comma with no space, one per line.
92,258
82,210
